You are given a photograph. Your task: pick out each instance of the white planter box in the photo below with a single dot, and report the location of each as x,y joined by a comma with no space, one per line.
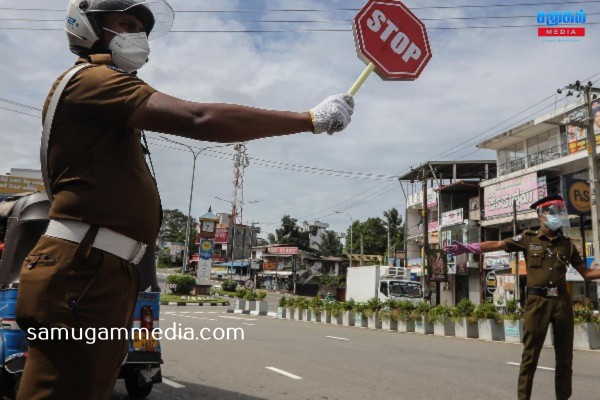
281,312
306,315
298,314
424,327
240,304
513,331
348,318
489,329
315,316
259,308
374,322
250,305
337,319
360,320
290,313
586,337
325,317
443,328
465,329
387,324
406,326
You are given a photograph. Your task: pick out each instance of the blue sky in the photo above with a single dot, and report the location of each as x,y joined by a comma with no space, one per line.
476,79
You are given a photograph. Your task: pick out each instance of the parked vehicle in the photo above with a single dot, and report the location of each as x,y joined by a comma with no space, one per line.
381,281
23,219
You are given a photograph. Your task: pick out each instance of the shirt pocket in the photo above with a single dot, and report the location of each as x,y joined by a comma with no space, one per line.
561,260
534,260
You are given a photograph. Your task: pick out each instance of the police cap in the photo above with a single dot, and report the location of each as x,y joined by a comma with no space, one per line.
552,197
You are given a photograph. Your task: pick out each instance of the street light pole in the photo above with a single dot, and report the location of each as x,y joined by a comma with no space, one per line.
195,154
351,223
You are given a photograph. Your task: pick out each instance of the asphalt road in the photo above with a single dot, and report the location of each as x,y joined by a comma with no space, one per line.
282,359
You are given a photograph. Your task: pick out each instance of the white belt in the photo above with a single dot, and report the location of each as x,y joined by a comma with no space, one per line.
106,240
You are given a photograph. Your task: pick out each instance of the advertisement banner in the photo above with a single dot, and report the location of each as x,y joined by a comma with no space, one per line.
283,250
578,200
498,199
576,134
221,235
453,217
438,271
270,266
203,272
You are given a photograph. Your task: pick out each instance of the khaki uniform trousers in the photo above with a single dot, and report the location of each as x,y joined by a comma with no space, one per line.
540,312
54,275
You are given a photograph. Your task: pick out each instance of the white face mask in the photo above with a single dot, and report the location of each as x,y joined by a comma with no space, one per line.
129,50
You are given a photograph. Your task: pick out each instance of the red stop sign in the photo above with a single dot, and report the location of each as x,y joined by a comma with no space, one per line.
390,36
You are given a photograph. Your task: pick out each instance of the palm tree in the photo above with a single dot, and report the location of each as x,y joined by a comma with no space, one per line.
330,244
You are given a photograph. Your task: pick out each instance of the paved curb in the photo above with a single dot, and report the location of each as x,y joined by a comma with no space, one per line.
183,303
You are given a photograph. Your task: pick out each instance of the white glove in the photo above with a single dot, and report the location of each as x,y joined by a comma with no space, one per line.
332,114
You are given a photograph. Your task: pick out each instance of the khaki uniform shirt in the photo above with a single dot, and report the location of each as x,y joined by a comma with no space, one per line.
546,259
96,163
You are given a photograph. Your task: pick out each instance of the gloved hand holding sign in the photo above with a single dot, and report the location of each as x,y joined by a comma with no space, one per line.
332,114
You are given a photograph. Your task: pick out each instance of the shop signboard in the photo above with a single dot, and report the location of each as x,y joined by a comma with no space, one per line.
283,250
578,200
453,217
498,198
416,199
576,133
221,235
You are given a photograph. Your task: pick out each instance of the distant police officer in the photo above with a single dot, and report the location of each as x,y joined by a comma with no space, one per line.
82,273
547,254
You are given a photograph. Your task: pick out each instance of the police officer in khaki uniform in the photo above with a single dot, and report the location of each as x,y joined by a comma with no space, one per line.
547,255
82,274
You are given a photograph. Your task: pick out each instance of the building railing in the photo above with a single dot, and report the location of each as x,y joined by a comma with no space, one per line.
531,160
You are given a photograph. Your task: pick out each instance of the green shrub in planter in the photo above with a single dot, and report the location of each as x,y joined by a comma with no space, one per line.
301,303
487,310
336,308
282,301
185,283
584,313
406,309
349,305
421,310
229,285
316,304
240,293
251,295
439,313
465,309
261,294
372,307
514,311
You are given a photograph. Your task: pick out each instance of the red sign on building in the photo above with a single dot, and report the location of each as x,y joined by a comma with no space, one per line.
283,250
221,235
390,36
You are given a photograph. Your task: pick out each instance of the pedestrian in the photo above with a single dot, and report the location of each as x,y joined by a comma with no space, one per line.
106,209
547,255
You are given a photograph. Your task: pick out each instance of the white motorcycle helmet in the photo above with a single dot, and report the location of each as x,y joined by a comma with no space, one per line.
84,25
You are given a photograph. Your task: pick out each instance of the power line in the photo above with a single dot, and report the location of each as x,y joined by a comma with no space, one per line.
353,9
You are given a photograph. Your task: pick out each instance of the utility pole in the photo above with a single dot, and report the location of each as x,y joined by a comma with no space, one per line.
388,243
361,249
425,219
588,94
517,287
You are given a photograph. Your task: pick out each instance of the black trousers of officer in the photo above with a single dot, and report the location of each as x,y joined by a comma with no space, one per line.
540,312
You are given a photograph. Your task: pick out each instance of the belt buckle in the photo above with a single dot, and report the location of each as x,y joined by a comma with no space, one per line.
552,292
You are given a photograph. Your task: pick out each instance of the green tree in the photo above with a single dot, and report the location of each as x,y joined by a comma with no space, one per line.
290,233
173,228
374,236
330,244
396,228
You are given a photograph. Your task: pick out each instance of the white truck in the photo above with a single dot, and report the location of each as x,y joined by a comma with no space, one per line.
364,283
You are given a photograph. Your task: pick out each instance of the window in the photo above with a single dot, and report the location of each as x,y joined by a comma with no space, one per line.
383,288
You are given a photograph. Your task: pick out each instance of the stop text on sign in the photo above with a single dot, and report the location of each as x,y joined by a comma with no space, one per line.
400,43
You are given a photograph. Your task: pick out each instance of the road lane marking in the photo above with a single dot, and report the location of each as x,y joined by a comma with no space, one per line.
243,319
245,323
172,384
518,365
198,312
184,312
282,372
337,338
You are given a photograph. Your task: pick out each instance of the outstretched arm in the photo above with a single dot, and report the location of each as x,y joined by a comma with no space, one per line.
217,122
493,246
476,248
